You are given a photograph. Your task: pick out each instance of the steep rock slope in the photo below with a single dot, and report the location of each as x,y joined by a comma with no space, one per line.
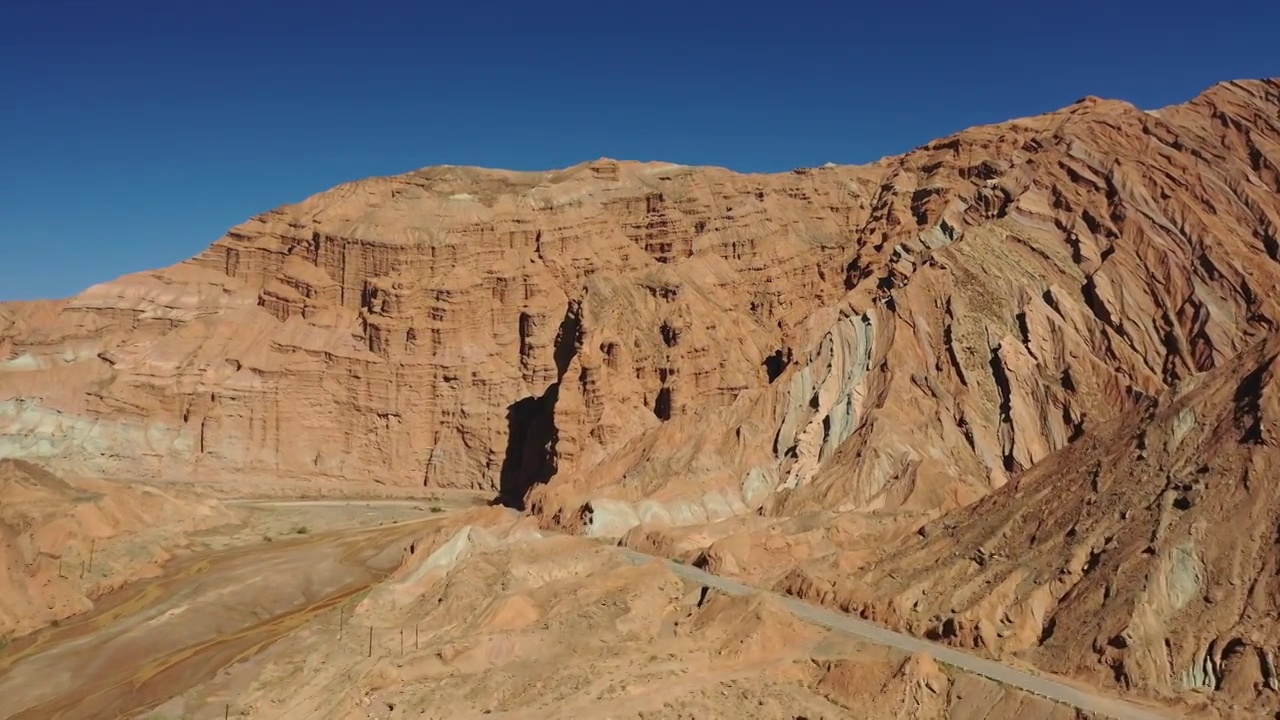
1014,286
675,344
1144,555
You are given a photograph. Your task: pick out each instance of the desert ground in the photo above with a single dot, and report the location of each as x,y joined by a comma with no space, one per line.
446,607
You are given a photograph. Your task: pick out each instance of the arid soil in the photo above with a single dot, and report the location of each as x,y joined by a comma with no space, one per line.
64,544
68,542
472,623
157,638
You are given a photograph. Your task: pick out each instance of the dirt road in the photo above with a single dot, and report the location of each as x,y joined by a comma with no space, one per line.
1042,685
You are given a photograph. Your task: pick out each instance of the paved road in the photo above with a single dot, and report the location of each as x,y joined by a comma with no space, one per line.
448,502
1041,685
337,502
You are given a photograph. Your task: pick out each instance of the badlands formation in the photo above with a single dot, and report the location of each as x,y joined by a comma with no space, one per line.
1013,391
49,528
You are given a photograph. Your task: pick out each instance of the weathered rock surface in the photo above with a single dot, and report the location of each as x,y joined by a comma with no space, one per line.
1142,556
1012,287
673,345
418,328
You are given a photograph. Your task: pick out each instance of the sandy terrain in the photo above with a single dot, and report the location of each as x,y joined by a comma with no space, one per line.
443,618
68,542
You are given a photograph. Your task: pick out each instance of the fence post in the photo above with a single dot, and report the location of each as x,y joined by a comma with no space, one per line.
370,641
402,641
341,612
92,543
415,636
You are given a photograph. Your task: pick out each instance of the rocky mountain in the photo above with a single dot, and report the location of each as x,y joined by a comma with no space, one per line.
618,343
1143,556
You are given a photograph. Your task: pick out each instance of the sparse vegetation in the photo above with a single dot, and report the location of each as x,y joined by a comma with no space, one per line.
301,530
437,509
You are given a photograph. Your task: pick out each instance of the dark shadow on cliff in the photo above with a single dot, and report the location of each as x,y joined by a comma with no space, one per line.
530,457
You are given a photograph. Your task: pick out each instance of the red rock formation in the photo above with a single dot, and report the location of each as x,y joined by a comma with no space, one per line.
1142,556
1011,287
678,344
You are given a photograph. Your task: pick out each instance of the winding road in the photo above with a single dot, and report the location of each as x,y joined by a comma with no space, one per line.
1041,685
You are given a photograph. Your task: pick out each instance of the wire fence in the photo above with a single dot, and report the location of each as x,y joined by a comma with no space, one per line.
347,638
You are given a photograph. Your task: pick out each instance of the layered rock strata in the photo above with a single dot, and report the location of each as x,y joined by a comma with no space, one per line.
668,344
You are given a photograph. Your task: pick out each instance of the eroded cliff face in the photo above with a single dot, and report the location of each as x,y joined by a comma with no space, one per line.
665,344
1011,287
454,327
1143,556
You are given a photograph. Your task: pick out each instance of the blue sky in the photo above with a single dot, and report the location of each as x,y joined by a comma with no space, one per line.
134,132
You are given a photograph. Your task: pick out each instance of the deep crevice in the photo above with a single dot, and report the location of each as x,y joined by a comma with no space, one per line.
1076,427
670,336
1270,244
530,453
777,363
1068,382
1024,331
1001,378
530,456
948,342
1047,631
1248,406
662,404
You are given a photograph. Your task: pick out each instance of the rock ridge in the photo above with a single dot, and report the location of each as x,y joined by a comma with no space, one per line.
620,343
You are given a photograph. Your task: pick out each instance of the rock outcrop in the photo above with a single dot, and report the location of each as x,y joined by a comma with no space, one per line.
1142,556
622,343
1010,288
455,327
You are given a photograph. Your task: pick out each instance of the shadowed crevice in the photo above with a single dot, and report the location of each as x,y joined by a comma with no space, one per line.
530,455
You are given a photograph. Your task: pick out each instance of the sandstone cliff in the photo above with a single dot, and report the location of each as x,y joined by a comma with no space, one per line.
418,328
1012,287
1143,555
673,344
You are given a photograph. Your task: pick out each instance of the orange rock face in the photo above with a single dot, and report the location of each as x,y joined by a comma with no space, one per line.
1142,556
619,343
454,327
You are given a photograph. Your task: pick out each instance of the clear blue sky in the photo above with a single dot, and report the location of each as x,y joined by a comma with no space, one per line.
134,132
